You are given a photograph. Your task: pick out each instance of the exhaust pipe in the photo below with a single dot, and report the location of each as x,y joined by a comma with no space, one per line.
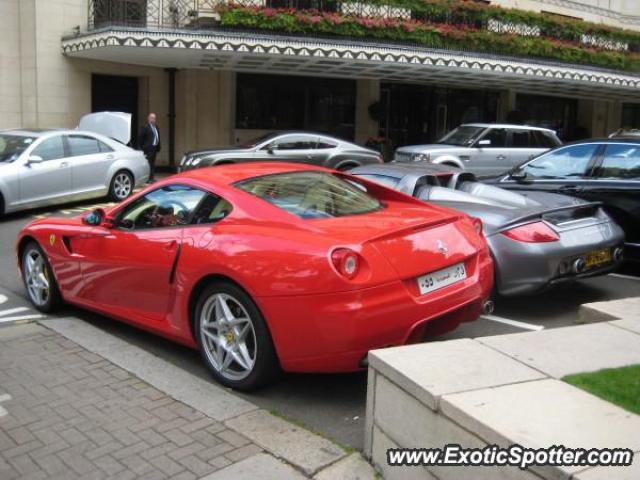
618,254
487,307
579,265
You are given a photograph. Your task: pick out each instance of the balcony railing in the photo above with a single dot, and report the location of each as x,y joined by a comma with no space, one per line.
180,13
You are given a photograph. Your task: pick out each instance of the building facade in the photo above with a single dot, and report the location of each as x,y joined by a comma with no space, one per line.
399,72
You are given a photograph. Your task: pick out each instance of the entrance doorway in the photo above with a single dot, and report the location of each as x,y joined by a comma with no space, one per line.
112,93
419,114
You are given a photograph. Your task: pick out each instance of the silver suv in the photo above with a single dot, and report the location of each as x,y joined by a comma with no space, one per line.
483,148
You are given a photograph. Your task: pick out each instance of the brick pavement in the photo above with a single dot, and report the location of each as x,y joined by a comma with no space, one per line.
68,413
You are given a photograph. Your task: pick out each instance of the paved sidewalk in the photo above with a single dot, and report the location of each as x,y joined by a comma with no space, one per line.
68,413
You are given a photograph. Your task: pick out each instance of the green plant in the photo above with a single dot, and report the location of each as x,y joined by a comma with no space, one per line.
616,385
459,36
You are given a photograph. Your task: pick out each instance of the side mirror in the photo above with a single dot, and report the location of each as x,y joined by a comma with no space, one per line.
98,217
517,174
484,143
34,159
271,149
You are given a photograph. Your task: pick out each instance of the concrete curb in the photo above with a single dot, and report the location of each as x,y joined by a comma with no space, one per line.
504,390
304,452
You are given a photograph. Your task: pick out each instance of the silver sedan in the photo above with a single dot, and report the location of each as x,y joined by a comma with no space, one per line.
43,167
537,239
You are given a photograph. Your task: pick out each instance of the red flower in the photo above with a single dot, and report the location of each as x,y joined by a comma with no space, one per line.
269,12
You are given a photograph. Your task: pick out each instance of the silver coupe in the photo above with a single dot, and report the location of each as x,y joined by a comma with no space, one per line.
41,167
537,239
304,147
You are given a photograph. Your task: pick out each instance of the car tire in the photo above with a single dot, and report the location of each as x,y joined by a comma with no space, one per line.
34,263
121,186
237,348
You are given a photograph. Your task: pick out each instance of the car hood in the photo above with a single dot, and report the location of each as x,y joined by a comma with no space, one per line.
115,125
217,150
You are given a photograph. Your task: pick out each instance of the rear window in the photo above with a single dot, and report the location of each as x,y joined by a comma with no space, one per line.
311,194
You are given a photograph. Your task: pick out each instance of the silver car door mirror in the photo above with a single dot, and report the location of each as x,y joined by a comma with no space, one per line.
34,159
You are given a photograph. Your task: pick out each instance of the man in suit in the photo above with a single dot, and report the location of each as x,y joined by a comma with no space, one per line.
149,141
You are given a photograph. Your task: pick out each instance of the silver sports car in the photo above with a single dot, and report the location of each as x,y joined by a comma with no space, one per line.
43,167
537,239
305,147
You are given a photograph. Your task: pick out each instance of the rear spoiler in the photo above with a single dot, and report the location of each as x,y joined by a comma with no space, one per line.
533,216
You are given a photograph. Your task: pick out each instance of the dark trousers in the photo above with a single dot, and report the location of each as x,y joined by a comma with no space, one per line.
151,153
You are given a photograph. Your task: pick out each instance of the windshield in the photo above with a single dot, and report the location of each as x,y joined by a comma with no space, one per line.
258,140
461,136
311,194
11,146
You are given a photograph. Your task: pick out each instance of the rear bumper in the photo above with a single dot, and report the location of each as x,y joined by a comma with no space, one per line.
334,332
527,268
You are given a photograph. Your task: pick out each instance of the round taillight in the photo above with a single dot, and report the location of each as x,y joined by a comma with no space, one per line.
346,262
350,265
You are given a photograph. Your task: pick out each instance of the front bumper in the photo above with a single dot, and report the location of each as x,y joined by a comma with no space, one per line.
528,268
333,332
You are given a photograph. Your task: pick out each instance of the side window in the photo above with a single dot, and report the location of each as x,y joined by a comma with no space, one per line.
497,137
211,209
620,161
169,206
50,149
520,139
564,162
295,142
542,139
83,145
324,143
104,148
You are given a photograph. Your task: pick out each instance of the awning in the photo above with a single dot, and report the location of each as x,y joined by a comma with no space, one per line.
312,56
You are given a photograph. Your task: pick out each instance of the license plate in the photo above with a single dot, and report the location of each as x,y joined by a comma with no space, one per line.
435,280
598,257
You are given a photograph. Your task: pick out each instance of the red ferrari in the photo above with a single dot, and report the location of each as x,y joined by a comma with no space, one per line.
266,266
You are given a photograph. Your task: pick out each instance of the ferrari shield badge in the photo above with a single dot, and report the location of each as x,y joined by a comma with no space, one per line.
52,239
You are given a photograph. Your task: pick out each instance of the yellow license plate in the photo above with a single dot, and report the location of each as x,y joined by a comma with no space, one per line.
598,257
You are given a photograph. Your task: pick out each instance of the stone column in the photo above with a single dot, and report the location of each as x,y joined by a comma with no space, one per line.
506,103
368,92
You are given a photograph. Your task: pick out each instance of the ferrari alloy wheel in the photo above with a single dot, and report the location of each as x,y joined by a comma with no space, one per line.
39,280
121,186
233,338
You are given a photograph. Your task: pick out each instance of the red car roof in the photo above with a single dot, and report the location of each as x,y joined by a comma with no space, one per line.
231,173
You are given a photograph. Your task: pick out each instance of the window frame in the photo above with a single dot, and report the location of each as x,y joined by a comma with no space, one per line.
100,143
596,169
488,132
41,142
589,168
122,211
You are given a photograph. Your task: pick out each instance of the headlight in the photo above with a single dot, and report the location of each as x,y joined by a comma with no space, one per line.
421,157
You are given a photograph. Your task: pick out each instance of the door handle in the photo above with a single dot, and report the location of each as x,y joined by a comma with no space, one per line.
64,164
170,246
501,157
